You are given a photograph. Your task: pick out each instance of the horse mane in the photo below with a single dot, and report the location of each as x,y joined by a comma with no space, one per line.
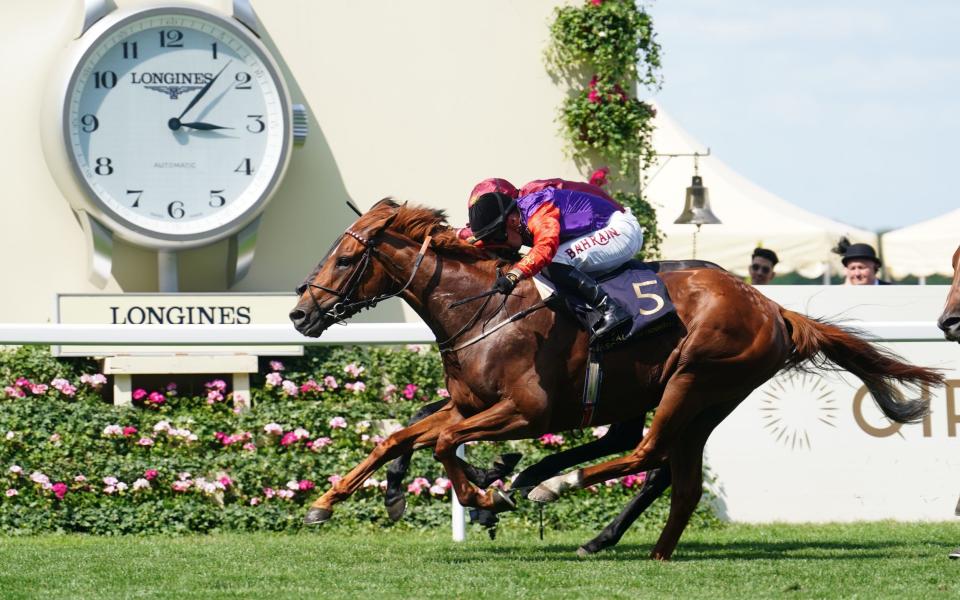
417,222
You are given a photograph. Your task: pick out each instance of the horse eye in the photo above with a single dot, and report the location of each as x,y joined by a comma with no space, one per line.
344,261
301,289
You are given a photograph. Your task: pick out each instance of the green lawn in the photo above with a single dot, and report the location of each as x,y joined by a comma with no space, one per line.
795,561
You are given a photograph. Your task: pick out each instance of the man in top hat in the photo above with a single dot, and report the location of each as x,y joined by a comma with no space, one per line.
860,263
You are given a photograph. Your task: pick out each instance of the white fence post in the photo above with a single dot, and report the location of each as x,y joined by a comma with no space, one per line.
457,515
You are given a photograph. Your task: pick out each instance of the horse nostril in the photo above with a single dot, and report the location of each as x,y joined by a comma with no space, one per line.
297,315
948,323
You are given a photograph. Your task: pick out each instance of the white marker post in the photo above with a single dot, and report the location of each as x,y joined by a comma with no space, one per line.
457,516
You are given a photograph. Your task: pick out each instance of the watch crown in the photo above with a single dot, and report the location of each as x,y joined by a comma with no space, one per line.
300,124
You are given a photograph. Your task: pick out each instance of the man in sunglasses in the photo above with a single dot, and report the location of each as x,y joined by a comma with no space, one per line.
761,266
573,230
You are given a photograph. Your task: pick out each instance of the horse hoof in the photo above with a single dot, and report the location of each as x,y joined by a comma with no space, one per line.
502,502
317,515
582,552
543,494
395,511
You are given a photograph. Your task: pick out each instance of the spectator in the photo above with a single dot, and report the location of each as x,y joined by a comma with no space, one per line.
761,266
860,263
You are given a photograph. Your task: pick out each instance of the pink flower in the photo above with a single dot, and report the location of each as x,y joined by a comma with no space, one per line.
318,443
310,386
593,97
353,370
139,394
338,423
389,391
38,388
38,477
334,479
14,392
409,391
599,432
217,384
182,485
16,469
276,365
150,474
254,501
129,430
145,441
633,480
225,481
10,493
599,177
289,388
596,2
94,381
22,382
214,396
551,439
306,485
273,429
141,484
288,438
330,382
250,447
63,386
59,490
80,478
54,438
356,387
443,393
274,378
418,485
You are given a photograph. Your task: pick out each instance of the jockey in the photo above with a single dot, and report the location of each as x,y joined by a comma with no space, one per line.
573,230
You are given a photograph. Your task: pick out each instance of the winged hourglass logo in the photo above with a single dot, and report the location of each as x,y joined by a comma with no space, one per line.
173,91
796,404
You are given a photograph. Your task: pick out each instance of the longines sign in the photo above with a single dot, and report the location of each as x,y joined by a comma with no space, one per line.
174,310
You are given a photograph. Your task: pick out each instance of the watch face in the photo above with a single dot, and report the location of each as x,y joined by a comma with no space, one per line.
177,124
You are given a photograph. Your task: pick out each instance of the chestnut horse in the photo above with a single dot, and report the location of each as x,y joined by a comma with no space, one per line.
949,321
516,370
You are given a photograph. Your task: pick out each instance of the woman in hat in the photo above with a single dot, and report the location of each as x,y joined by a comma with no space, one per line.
573,229
860,263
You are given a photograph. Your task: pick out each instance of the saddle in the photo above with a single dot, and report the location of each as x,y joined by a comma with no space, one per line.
635,285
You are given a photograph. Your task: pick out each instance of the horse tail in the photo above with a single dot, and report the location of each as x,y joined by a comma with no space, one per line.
820,342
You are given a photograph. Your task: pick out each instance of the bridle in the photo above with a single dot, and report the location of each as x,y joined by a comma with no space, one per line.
345,307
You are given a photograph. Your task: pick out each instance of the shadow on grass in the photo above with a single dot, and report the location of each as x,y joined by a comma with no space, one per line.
700,551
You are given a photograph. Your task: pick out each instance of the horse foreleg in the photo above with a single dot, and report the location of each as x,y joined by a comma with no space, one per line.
394,497
656,482
619,438
420,435
501,421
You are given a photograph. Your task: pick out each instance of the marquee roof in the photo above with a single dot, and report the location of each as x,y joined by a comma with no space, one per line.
751,215
923,249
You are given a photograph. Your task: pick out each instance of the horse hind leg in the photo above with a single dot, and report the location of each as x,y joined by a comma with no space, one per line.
656,482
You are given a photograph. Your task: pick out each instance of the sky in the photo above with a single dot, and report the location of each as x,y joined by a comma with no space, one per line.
847,108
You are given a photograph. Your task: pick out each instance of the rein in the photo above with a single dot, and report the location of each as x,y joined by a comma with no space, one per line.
344,308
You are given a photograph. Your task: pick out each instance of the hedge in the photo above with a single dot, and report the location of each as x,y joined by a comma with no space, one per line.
71,461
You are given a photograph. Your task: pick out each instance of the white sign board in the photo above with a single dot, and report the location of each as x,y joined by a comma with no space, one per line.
815,447
175,310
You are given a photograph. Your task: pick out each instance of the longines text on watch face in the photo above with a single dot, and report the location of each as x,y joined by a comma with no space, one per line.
175,123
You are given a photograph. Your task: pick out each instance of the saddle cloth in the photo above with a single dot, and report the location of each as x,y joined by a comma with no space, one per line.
632,284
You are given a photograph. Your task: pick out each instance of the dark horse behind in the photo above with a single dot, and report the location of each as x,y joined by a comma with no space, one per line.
515,369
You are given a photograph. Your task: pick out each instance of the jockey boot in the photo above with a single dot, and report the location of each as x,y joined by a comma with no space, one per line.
613,314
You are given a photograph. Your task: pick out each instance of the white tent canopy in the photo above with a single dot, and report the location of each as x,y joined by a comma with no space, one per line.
922,249
751,216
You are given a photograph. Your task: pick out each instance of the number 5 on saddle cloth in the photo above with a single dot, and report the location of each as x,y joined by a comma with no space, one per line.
639,290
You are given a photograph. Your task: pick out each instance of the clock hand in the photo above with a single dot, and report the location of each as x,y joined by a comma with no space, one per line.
198,125
201,93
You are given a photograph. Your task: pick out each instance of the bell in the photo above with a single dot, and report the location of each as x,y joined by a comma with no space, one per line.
696,209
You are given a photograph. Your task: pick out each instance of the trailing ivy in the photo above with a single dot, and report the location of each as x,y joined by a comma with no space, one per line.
595,49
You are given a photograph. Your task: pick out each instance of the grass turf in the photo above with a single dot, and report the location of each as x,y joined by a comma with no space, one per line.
736,561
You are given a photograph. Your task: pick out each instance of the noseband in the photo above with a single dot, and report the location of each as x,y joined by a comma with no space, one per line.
344,307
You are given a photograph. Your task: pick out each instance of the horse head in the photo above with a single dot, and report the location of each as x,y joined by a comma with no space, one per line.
347,279
949,321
